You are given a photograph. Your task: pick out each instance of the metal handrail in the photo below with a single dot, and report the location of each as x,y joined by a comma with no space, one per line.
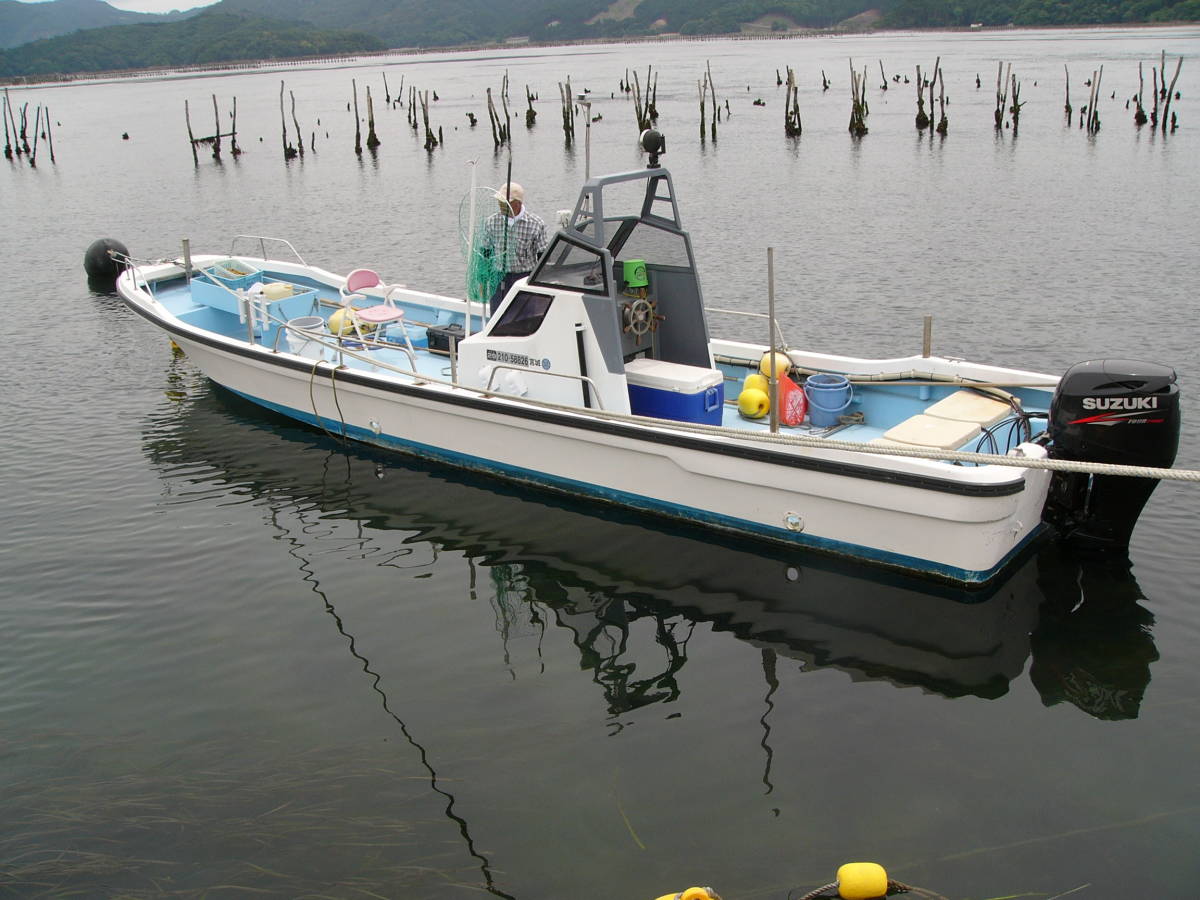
337,346
488,389
752,315
133,266
262,245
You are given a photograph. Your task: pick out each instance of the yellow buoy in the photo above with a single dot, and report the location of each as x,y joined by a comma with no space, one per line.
342,322
693,893
753,403
758,382
782,364
862,881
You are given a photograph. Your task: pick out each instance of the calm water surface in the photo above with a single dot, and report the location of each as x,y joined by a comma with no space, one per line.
239,657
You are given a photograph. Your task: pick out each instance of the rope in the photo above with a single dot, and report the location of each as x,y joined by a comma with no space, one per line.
337,403
812,895
312,375
806,442
896,887
893,887
815,443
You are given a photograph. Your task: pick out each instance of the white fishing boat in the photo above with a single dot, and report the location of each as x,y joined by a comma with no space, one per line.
598,376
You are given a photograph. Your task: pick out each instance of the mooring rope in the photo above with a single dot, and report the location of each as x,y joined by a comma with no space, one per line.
312,376
893,887
786,440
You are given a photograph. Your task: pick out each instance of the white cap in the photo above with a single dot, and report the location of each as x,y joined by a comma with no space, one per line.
511,191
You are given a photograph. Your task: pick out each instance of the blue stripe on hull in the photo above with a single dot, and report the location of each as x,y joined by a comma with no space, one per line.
648,504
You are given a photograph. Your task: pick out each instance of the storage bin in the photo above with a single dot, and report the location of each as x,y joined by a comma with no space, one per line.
440,337
667,390
211,286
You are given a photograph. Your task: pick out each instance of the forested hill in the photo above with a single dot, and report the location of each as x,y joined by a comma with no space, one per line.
210,37
425,23
408,23
1033,13
269,29
21,23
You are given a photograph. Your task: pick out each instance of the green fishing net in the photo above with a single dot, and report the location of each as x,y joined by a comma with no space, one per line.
483,271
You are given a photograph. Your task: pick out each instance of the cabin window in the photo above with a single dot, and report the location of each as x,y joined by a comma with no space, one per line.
571,265
657,246
523,316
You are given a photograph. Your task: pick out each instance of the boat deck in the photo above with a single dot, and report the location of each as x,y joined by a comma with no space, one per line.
874,410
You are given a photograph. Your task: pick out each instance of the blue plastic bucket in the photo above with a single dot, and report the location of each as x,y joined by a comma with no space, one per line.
828,397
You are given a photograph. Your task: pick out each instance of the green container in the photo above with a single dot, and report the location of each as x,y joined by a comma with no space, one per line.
635,273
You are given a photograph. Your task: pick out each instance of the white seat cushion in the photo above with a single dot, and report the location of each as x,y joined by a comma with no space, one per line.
968,406
930,431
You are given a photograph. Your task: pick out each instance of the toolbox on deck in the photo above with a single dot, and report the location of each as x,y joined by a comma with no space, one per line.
442,336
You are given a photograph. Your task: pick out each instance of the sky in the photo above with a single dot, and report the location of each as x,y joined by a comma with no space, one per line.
149,6
158,6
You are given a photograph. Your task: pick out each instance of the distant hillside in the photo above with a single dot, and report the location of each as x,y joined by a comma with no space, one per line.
316,26
424,23
21,23
210,37
1034,13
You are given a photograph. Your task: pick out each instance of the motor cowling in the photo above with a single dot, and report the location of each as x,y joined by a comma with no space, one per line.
1109,411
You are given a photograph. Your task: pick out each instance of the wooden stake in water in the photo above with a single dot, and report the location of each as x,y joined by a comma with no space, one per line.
49,134
372,138
774,378
187,117
357,124
217,132
299,148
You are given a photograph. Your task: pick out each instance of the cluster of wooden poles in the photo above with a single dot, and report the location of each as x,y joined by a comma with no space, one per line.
16,137
930,90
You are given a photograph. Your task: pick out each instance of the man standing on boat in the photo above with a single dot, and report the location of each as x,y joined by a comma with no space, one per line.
514,238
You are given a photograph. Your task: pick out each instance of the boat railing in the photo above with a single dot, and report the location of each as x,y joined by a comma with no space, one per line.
782,341
134,267
337,346
262,245
489,389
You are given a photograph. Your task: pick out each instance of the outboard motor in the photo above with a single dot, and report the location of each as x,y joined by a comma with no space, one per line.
1109,411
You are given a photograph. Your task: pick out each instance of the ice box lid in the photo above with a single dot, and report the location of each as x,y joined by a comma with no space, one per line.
669,376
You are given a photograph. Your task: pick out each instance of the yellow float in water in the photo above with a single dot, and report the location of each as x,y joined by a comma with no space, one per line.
693,893
862,881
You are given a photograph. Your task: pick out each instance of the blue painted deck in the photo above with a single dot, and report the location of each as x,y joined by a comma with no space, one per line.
882,405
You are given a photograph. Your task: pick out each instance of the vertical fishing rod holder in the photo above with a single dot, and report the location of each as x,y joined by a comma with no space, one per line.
187,259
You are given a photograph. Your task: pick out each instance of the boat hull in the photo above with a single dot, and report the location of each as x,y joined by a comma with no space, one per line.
831,501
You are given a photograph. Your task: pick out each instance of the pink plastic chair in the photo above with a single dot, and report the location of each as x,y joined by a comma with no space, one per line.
385,313
359,280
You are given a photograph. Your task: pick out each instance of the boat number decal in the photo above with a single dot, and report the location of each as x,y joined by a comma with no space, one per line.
518,359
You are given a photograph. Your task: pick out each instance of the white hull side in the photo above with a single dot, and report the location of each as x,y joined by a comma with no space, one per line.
962,537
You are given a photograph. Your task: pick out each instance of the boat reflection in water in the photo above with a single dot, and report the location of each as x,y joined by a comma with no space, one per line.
598,570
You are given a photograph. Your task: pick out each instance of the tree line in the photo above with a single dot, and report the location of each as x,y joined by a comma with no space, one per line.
200,40
1034,13
217,36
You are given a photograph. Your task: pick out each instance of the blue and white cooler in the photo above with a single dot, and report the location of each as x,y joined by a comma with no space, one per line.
667,390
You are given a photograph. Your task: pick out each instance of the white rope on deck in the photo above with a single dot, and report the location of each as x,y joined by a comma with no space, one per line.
788,440
816,443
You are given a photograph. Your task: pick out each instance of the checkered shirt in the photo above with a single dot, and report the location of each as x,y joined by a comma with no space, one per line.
523,244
